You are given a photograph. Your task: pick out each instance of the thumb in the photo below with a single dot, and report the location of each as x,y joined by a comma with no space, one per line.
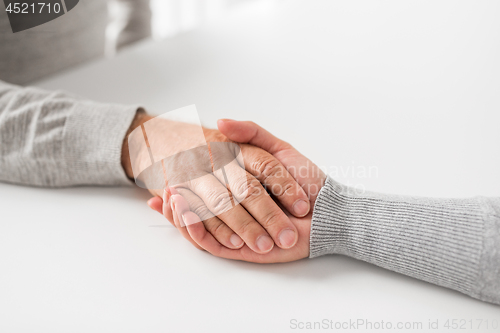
248,132
251,133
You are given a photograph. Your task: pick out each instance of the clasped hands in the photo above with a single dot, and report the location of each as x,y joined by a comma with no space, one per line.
256,207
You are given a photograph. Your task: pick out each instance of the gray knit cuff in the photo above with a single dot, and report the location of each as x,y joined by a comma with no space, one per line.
93,138
488,283
435,240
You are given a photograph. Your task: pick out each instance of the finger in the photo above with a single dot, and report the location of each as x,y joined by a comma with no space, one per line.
166,210
264,166
278,181
248,191
155,203
251,133
205,239
180,207
217,199
201,236
222,233
166,206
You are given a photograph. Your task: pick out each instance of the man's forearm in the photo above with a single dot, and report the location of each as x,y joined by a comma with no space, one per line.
454,243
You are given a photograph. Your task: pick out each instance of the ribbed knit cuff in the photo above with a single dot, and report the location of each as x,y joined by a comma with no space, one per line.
436,240
489,277
92,143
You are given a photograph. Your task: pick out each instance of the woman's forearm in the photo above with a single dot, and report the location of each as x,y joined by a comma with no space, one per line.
53,139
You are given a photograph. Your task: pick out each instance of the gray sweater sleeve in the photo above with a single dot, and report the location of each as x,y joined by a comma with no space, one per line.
54,139
454,243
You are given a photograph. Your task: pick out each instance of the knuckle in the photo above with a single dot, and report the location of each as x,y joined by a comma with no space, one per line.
219,201
245,226
201,210
239,188
283,189
250,189
265,166
272,219
196,206
216,228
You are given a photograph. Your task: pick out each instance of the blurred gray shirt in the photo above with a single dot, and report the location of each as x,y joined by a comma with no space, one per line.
53,138
86,32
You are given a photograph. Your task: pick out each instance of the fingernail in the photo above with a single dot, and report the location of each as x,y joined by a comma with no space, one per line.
166,195
226,119
287,238
182,221
236,240
301,207
264,243
179,215
172,205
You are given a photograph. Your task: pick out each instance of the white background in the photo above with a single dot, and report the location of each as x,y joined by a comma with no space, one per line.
410,88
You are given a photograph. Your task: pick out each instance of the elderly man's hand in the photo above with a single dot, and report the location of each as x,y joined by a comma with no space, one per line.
175,205
245,214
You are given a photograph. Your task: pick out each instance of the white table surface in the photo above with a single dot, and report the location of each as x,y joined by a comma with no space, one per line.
408,90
